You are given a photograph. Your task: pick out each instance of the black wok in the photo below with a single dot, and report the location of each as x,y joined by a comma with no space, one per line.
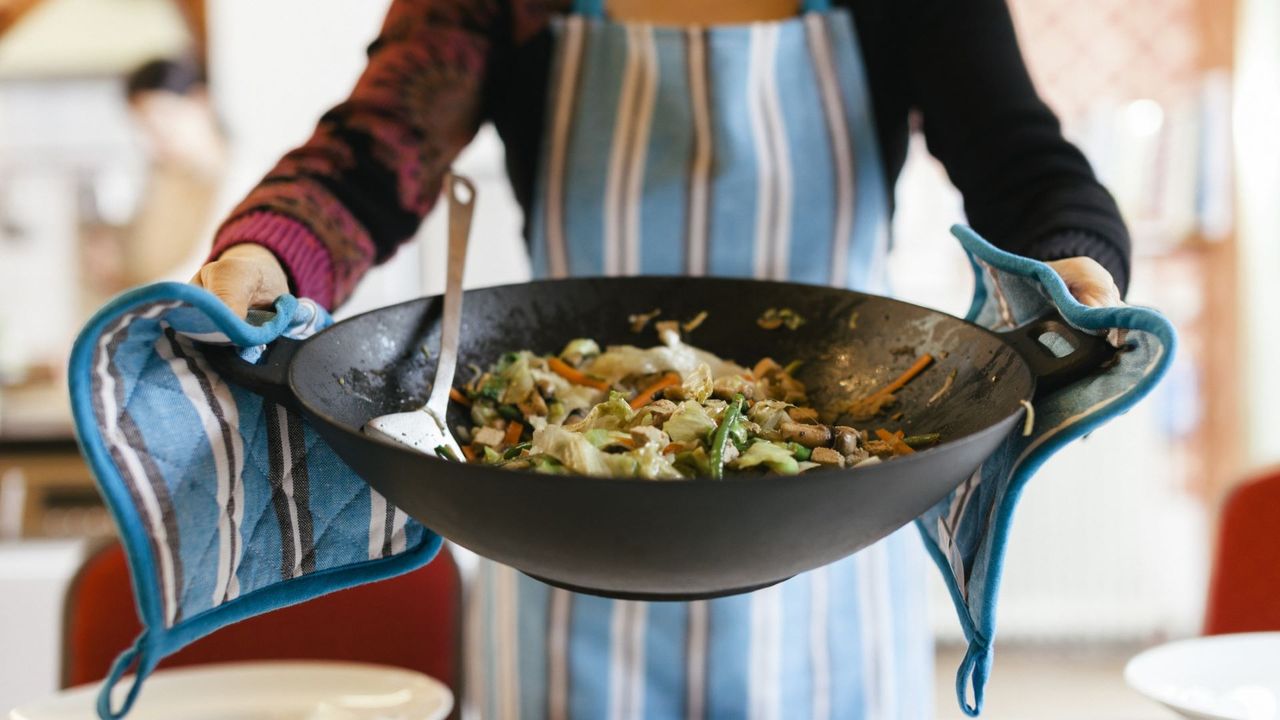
671,539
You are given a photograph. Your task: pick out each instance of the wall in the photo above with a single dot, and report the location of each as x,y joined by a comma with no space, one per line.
1257,114
90,37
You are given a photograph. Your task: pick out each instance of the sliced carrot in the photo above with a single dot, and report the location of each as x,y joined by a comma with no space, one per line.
513,433
574,376
647,394
871,405
894,441
672,448
629,443
456,395
916,368
469,452
763,367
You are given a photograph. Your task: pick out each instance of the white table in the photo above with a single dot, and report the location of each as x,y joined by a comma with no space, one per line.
265,691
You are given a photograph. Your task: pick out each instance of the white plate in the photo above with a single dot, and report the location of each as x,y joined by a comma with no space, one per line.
1223,677
265,691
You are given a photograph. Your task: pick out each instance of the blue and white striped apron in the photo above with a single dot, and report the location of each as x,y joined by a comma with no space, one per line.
744,150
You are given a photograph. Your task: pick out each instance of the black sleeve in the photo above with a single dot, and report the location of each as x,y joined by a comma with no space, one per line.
1025,187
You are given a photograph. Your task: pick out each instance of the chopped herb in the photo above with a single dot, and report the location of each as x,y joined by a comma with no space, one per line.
695,322
493,388
773,318
640,320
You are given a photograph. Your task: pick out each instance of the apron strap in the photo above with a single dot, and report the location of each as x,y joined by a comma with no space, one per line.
595,8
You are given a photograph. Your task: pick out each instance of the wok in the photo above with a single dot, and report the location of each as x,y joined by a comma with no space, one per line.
684,539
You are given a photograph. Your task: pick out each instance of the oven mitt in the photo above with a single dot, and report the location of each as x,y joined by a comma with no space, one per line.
228,505
967,532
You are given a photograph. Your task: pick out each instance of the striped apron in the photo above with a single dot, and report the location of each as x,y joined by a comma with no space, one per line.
744,150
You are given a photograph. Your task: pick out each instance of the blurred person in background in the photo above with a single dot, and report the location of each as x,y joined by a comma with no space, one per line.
187,158
569,99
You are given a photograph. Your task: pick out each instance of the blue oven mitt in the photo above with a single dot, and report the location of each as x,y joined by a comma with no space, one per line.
230,506
966,533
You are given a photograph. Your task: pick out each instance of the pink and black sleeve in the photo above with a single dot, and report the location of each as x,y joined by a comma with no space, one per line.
362,183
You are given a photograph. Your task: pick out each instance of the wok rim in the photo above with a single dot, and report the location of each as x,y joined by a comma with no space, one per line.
748,479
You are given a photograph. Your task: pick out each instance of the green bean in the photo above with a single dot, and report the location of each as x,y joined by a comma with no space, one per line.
799,451
514,450
915,442
721,437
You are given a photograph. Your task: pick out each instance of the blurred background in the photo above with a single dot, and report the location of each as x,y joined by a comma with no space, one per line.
115,169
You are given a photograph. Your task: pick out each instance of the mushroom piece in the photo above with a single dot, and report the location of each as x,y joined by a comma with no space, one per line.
726,387
810,436
649,435
765,366
857,457
827,456
660,411
678,393
668,332
489,436
546,388
534,405
730,453
848,441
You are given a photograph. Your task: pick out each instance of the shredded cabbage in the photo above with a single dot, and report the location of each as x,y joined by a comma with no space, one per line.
775,457
697,384
578,349
577,453
689,423
602,438
769,415
572,449
519,380
612,414
619,361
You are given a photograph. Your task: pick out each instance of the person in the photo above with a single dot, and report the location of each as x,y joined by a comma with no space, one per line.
756,138
169,102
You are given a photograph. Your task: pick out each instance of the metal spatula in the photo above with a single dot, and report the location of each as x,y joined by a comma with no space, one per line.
425,429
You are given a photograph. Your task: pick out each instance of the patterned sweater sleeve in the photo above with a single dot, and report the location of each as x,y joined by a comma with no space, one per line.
362,183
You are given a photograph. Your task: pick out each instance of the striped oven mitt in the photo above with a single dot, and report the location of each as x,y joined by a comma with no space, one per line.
966,533
227,504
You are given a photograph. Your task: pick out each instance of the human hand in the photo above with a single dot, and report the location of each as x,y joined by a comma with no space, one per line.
244,276
1087,281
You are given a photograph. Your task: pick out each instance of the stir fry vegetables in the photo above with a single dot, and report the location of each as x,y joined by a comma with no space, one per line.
666,412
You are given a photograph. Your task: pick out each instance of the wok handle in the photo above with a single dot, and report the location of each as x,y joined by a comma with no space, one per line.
1088,352
269,377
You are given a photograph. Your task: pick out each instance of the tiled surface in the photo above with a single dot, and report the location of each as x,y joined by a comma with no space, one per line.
1047,683
1112,37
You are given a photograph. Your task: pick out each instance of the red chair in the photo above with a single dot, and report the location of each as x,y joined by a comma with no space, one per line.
411,621
1244,589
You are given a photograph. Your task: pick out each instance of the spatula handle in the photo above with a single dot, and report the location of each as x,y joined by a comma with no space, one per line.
462,195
